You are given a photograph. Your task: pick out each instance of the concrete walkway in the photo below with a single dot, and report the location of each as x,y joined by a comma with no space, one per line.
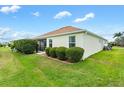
41,53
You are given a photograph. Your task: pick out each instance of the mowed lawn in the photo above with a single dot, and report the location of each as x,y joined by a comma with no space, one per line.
105,68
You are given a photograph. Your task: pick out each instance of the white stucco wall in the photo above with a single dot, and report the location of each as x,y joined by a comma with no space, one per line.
91,44
63,40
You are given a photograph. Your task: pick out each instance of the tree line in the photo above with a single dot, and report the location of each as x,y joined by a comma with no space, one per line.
119,39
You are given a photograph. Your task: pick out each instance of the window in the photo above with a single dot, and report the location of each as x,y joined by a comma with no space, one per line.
71,41
50,42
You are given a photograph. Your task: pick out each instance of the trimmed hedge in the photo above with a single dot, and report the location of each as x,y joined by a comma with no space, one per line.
60,52
52,52
1,45
74,54
47,51
26,46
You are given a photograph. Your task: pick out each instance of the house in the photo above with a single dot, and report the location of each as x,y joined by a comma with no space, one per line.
72,37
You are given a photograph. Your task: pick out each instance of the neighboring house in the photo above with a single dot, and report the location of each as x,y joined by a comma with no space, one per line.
72,37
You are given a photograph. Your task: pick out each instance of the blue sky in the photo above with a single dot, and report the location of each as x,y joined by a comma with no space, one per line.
27,21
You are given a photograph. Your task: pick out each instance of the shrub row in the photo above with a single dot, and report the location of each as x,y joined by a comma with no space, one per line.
61,53
26,46
73,54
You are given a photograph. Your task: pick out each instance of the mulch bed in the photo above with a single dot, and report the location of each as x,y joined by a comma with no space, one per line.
65,62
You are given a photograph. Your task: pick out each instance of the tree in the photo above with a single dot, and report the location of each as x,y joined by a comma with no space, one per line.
119,34
119,38
122,41
26,46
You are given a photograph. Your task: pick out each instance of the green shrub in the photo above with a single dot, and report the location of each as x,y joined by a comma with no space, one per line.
47,51
12,46
26,46
52,52
1,45
60,52
74,54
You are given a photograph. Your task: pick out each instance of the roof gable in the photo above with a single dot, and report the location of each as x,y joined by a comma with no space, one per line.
66,30
62,30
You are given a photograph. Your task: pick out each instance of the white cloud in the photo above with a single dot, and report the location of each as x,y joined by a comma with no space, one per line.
62,14
3,31
21,35
85,18
7,34
36,14
15,34
10,9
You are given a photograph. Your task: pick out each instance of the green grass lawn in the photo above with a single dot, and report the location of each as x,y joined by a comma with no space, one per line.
102,69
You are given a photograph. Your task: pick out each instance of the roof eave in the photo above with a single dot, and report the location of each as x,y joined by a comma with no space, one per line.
95,35
76,31
47,36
